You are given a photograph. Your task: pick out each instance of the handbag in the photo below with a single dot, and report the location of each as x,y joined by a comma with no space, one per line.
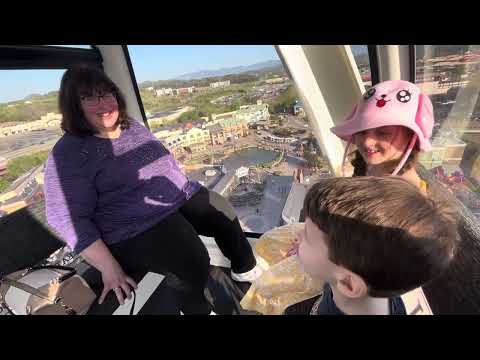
46,290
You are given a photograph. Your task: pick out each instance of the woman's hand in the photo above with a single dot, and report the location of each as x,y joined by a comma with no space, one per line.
115,279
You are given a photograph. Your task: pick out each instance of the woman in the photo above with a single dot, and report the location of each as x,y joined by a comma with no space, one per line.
116,196
390,125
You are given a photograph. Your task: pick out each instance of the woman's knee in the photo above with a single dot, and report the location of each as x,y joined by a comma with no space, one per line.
191,249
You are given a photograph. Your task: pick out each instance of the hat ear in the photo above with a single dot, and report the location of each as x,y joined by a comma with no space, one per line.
424,117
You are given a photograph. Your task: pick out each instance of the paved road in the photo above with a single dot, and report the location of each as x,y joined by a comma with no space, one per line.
22,144
28,150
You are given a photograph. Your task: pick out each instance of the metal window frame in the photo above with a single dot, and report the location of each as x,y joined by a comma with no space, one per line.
40,57
395,62
135,84
373,60
412,53
317,70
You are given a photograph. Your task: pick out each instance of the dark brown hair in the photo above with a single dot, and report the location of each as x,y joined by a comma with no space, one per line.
384,230
80,81
360,167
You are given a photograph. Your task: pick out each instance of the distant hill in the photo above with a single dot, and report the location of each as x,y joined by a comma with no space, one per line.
249,73
30,108
227,71
33,96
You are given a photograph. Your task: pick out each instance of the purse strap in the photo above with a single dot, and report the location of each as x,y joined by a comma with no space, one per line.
58,301
133,303
35,292
70,271
29,289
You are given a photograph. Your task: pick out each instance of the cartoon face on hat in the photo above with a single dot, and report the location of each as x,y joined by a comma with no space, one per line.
393,102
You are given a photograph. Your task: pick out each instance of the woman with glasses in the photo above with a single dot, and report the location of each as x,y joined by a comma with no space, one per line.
117,197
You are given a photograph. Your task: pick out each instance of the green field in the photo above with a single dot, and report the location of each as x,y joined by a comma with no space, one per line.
202,102
19,166
19,111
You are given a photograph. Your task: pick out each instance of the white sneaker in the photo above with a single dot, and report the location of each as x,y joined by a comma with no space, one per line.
249,276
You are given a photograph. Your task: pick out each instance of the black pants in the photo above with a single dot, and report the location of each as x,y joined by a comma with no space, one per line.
173,247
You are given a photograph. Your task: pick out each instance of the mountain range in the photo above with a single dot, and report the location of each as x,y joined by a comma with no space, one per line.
230,70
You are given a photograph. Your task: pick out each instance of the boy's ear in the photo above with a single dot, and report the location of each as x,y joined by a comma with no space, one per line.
350,284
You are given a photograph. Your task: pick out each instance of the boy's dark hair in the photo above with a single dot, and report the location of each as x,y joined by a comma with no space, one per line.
80,81
385,230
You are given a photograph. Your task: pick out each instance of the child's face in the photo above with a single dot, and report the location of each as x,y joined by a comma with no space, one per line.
382,144
313,252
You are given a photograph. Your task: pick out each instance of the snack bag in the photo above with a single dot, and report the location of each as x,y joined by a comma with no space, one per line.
276,244
284,283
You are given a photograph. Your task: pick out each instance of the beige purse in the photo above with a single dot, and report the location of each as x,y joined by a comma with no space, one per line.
46,290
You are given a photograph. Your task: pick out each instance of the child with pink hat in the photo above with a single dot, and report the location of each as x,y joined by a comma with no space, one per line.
390,125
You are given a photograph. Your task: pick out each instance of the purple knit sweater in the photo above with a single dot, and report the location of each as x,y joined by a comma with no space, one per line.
111,189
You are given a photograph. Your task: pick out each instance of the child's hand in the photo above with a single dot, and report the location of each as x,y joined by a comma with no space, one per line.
294,249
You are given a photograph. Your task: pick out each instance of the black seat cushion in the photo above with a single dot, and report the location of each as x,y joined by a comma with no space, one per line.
26,239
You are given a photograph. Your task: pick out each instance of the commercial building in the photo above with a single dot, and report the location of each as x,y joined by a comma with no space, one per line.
253,113
220,84
194,140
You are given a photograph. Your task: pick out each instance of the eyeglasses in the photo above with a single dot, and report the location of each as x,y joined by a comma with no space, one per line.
95,99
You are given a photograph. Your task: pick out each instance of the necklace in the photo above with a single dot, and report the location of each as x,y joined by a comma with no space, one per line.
316,304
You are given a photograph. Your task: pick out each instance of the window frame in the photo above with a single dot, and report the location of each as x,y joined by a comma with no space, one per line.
135,85
373,60
412,55
39,57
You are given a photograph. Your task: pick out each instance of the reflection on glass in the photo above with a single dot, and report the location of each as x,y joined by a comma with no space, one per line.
450,75
29,127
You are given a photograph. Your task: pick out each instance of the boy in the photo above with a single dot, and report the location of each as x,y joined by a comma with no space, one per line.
371,240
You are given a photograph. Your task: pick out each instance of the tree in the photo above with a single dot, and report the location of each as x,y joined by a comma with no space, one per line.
313,160
190,116
285,101
282,132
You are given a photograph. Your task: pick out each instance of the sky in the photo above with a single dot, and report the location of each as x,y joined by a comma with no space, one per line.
150,62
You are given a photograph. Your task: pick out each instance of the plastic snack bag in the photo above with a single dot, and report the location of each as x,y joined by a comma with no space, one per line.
284,283
275,245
